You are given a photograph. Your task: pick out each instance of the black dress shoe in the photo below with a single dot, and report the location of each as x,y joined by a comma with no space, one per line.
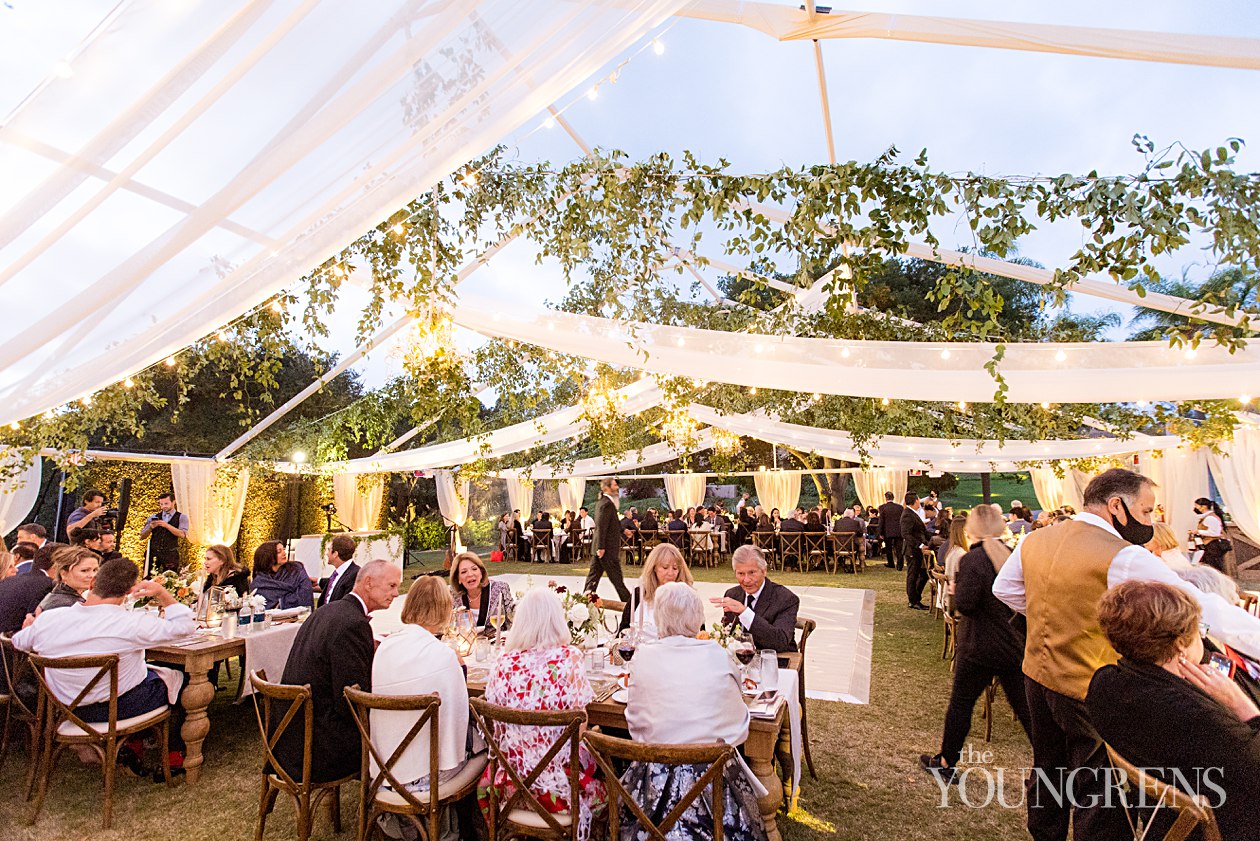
935,766
918,607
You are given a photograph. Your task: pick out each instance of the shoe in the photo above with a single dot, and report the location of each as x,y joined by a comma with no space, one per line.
935,766
918,607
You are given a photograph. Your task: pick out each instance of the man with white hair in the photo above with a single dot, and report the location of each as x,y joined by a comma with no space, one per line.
765,609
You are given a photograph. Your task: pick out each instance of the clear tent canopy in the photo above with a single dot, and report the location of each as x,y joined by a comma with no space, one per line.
157,200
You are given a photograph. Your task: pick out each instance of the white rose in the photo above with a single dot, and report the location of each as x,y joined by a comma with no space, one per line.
579,614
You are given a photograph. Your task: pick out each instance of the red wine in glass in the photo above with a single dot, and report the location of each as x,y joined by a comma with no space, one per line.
626,650
744,655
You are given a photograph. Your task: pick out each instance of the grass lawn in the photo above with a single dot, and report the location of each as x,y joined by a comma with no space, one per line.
869,786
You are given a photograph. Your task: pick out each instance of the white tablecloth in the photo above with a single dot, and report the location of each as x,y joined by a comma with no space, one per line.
267,650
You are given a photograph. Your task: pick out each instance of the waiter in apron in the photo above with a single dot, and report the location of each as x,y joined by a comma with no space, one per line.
1209,537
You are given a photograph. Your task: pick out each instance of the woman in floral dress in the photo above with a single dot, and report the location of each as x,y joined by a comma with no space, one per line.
540,671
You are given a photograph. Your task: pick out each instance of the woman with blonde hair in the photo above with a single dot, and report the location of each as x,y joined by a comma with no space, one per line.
987,644
664,565
1167,548
414,661
74,570
541,671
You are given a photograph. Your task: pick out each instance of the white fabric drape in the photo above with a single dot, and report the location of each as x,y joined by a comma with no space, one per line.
452,498
185,173
19,493
547,429
686,490
358,503
872,484
1181,476
1050,488
1237,475
791,23
213,497
960,456
1034,371
520,494
650,455
778,489
572,492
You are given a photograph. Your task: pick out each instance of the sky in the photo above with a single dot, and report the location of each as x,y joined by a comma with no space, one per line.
723,90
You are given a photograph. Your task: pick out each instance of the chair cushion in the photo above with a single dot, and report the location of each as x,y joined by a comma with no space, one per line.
139,722
528,817
467,775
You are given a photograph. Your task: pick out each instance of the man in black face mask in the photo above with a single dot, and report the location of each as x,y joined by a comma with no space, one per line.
1056,577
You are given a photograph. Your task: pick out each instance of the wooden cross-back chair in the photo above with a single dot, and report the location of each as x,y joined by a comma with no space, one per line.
791,545
307,795
766,541
1192,810
382,792
814,548
540,545
716,755
61,724
806,626
522,814
847,550
16,671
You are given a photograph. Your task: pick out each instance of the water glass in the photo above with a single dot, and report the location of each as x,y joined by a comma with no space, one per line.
481,650
769,670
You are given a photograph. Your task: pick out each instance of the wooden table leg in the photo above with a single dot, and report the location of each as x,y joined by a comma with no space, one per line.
759,750
196,698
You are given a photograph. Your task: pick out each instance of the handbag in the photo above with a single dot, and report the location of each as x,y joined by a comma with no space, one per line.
496,556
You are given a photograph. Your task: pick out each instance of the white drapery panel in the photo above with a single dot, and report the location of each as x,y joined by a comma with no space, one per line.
686,490
186,154
547,429
452,500
790,23
18,494
650,455
872,484
1181,476
1069,372
572,492
1237,475
520,494
961,456
1054,491
778,489
213,498
358,503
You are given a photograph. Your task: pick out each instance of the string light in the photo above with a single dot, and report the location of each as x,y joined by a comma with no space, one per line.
277,307
397,230
817,397
844,353
945,354
221,336
962,405
338,270
752,390
49,415
885,402
1045,405
15,426
299,457
1060,356
658,46
129,383
170,362
86,401
593,93
1245,399
1191,353
550,122
725,442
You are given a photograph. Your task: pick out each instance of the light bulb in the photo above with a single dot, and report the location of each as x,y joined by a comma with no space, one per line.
397,230
1045,405
549,123
945,354
299,456
170,362
1191,353
817,396
129,383
338,271
962,405
592,94
1060,356
752,390
86,401
844,353
15,426
1246,398
276,306
885,402
658,46
221,336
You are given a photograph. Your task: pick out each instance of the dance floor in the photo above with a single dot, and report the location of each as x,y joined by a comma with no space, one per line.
838,657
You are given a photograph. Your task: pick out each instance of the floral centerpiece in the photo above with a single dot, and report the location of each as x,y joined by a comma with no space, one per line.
183,585
581,611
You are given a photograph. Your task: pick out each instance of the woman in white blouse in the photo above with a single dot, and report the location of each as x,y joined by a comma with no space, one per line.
414,661
1210,536
685,690
664,565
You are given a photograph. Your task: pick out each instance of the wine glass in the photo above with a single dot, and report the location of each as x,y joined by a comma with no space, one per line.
743,649
496,621
627,644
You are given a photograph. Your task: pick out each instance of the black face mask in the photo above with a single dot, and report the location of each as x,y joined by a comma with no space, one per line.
1137,533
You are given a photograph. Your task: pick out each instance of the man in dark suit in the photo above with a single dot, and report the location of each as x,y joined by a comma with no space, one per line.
606,542
333,650
345,570
913,536
890,530
21,594
765,609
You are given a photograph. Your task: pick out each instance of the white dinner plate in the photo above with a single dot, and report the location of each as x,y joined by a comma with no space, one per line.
621,696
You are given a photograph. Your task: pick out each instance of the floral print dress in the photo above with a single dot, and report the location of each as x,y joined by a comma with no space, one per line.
544,679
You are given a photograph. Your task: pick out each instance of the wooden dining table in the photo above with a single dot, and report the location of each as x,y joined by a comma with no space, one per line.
196,659
768,739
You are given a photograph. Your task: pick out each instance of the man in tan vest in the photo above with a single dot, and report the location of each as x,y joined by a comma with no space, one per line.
1056,577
